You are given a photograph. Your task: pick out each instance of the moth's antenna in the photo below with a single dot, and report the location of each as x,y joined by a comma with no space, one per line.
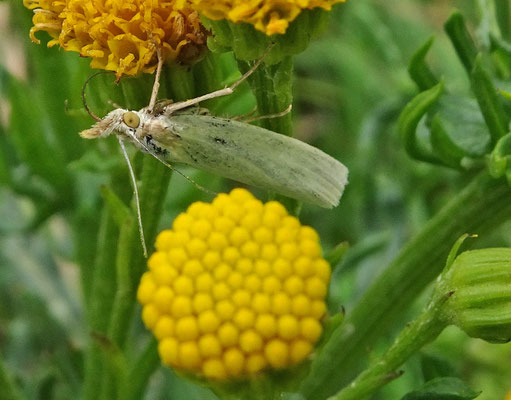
156,85
83,94
135,191
171,167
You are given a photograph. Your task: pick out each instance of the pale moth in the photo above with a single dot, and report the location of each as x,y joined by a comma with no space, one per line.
177,132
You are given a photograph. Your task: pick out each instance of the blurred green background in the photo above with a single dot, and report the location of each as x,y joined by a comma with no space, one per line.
349,88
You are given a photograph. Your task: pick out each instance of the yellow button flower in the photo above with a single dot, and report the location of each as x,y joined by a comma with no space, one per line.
121,35
268,16
223,310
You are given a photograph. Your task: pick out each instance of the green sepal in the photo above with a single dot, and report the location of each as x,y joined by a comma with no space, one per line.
446,388
461,40
410,118
479,287
454,251
418,68
489,101
249,44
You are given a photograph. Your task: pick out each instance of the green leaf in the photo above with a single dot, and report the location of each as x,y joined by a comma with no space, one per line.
444,147
503,15
418,69
443,389
461,40
489,101
434,366
410,118
464,124
499,160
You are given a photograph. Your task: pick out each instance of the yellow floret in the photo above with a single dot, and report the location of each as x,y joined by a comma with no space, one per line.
250,341
214,369
234,288
288,327
208,321
277,353
146,289
121,36
228,334
163,298
210,346
234,361
202,302
187,328
164,327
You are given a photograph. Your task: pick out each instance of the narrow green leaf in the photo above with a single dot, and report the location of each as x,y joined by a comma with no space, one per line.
10,390
443,389
410,117
503,14
461,40
499,160
336,255
120,211
419,70
443,146
489,101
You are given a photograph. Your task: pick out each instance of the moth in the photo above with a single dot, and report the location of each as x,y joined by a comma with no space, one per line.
182,132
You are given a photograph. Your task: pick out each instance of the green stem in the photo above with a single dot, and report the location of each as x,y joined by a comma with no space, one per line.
412,338
119,321
272,88
271,85
143,367
100,306
480,208
9,391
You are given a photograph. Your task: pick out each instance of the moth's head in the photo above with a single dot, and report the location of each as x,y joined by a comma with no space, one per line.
119,121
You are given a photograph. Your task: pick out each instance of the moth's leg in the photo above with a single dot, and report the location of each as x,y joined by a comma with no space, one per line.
217,93
244,116
156,85
269,116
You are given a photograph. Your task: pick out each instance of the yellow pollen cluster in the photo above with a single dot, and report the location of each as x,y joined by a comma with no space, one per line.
121,35
235,287
268,16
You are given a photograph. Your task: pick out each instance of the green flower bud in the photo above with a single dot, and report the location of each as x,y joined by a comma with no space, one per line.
480,304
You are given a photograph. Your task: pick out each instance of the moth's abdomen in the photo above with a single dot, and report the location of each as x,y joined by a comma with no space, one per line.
254,156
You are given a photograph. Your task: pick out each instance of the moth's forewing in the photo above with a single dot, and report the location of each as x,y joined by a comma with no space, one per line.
254,156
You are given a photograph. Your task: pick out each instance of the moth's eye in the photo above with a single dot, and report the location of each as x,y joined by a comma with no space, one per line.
131,119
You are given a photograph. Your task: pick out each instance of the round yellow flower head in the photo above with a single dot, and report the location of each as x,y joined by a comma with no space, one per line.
268,16
235,287
121,35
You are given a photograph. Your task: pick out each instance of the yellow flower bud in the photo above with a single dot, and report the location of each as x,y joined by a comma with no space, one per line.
236,287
